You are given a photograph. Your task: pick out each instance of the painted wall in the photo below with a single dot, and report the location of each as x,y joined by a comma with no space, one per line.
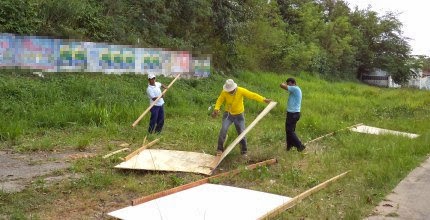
56,55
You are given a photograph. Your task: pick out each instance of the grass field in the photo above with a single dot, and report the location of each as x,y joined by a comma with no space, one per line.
94,112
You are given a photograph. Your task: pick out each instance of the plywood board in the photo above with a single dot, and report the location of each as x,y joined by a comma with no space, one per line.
169,160
380,131
207,201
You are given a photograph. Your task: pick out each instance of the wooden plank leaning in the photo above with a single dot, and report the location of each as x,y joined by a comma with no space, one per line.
134,153
290,203
197,183
230,147
155,101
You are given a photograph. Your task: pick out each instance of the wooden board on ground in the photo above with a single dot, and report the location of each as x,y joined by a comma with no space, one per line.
380,131
206,201
169,160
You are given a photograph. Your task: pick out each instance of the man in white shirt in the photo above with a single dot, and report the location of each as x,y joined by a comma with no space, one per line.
153,91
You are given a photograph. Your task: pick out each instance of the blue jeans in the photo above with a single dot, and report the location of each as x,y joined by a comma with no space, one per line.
156,121
239,123
290,128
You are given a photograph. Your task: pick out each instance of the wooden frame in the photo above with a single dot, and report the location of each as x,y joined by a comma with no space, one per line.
198,182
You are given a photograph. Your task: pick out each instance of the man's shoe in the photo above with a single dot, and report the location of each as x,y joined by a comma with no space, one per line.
245,156
218,153
301,148
289,148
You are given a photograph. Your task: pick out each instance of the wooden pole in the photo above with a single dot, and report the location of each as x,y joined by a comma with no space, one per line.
290,203
115,152
331,133
197,183
155,101
230,147
141,149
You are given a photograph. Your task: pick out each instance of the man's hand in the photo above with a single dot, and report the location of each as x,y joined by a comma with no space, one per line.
267,101
215,113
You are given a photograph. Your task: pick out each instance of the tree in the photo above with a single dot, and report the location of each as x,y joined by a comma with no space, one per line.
338,53
260,37
19,17
381,44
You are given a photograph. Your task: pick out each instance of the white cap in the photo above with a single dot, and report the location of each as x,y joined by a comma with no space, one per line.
229,85
151,76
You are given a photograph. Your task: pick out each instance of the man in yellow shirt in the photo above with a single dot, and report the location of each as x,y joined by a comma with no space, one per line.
232,96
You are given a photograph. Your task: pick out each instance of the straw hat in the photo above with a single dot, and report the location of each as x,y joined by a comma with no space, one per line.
229,85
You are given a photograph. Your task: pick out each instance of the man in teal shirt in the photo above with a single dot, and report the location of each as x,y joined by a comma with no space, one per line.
293,114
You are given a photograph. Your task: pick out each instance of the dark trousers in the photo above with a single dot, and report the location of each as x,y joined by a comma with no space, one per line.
156,121
290,128
239,123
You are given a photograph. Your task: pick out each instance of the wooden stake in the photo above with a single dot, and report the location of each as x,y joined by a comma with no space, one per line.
154,102
197,183
115,152
141,149
144,141
230,147
300,197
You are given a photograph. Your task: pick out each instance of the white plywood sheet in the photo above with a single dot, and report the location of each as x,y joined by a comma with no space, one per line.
170,160
207,201
380,131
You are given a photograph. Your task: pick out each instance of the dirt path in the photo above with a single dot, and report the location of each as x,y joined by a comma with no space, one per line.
19,170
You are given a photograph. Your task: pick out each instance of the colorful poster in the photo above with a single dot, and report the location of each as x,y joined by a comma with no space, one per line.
7,50
36,53
166,64
57,55
115,58
180,62
105,58
93,64
149,60
73,56
128,59
202,67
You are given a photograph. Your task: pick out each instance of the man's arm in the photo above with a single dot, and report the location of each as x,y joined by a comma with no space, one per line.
218,104
284,86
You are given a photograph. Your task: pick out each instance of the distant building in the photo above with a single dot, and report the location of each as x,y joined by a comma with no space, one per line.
421,81
383,79
379,78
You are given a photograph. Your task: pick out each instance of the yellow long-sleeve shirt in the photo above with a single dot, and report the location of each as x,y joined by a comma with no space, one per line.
234,102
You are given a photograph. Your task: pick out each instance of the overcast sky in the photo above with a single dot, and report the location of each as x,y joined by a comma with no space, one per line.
414,15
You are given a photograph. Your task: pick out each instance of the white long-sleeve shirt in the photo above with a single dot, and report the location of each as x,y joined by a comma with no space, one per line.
154,92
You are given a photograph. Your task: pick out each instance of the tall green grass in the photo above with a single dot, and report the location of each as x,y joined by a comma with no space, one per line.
94,112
